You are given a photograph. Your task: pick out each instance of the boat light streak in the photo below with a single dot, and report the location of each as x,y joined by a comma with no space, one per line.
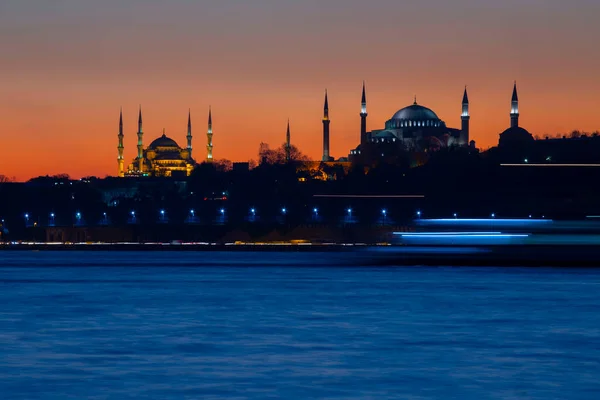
437,236
447,233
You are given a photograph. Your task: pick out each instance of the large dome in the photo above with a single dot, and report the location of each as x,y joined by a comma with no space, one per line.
163,141
414,116
415,112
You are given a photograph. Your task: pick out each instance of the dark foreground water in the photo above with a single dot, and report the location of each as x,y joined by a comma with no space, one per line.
221,326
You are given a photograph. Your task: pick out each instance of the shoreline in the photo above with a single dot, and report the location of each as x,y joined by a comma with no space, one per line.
358,254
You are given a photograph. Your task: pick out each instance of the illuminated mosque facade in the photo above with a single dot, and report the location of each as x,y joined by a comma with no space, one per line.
163,157
412,130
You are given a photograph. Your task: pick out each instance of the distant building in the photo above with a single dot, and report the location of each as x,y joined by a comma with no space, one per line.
411,131
517,145
515,135
163,157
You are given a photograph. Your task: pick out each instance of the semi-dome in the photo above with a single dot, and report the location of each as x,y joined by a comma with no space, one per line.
163,141
415,112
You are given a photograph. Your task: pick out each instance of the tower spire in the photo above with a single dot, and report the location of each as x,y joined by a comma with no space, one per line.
514,108
288,143
465,117
326,122
363,116
140,144
364,95
120,159
209,136
189,134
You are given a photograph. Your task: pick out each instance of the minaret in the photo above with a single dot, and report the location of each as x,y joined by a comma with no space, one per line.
465,117
363,116
209,135
288,145
140,145
514,109
120,147
326,122
189,135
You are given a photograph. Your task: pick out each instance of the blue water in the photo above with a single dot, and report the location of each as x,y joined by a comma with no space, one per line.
221,326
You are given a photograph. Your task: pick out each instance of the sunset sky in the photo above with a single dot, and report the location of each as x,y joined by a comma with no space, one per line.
69,65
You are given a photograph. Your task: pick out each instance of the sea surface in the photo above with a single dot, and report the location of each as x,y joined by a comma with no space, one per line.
210,325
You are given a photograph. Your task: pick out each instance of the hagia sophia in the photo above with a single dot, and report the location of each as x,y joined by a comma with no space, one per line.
412,130
412,133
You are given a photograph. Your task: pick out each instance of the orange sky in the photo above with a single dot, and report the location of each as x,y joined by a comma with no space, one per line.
69,66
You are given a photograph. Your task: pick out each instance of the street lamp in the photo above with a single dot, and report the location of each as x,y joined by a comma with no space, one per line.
455,215
283,210
493,215
419,214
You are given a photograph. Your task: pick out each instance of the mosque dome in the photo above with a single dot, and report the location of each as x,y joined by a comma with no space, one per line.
414,115
515,136
163,141
415,112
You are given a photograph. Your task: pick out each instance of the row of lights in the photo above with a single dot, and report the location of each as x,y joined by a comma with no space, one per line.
221,211
384,212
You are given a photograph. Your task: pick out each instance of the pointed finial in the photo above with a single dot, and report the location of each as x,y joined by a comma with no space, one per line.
140,115
515,96
164,134
415,103
465,96
364,93
326,101
209,115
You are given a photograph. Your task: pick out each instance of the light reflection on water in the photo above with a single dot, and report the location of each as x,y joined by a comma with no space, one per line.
289,329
